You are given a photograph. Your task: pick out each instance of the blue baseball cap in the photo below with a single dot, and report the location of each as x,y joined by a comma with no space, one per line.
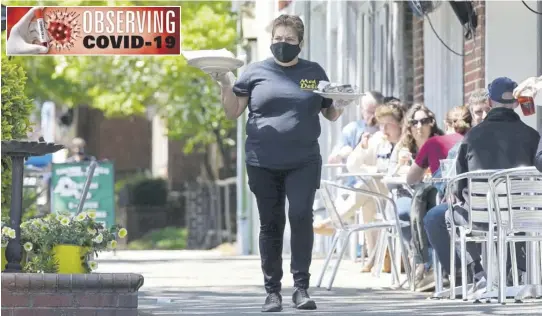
498,87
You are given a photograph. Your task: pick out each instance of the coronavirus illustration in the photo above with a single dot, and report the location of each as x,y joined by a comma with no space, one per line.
63,29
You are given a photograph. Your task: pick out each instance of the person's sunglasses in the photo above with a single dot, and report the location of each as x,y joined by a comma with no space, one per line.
423,121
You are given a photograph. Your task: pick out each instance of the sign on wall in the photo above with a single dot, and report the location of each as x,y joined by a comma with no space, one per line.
99,30
67,182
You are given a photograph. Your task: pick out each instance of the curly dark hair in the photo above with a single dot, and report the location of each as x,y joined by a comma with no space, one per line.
408,138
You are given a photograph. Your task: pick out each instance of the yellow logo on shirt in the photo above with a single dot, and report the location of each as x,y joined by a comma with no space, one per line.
307,84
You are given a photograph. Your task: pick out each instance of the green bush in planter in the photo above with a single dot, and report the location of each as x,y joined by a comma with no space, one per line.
151,192
16,110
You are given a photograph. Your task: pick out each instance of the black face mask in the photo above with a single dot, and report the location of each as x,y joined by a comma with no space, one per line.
285,52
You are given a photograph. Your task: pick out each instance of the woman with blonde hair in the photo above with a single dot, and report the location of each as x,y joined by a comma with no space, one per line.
365,157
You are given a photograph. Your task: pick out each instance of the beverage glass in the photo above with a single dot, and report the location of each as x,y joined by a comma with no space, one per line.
527,105
447,168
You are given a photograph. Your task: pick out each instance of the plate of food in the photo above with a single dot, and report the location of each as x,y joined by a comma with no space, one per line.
339,95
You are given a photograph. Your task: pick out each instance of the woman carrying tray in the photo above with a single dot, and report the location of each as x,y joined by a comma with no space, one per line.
282,152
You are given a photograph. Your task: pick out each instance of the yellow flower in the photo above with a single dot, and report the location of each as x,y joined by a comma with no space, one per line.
123,232
98,239
65,221
93,265
11,233
91,214
91,231
112,244
5,230
28,246
24,224
80,217
59,217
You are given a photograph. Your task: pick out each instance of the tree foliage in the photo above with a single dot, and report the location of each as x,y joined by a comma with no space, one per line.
16,109
126,85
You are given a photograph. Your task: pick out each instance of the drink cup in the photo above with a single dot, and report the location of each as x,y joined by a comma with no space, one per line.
446,167
527,105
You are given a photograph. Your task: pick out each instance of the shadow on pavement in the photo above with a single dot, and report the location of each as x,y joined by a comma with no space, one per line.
338,301
119,261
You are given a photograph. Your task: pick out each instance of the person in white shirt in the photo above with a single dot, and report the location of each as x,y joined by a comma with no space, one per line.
364,158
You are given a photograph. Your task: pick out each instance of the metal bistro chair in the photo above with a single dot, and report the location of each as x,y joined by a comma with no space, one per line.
523,205
369,180
478,202
390,223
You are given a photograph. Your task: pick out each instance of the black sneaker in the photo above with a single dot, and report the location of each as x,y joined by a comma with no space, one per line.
302,300
273,303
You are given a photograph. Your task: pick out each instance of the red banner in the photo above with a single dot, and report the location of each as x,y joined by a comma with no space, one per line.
93,31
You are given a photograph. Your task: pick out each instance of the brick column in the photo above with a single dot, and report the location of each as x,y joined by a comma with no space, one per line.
418,56
406,64
474,64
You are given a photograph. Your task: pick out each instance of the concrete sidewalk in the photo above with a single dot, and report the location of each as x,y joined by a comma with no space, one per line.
205,282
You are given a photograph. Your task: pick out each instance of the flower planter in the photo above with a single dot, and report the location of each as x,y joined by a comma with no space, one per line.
4,260
74,239
69,259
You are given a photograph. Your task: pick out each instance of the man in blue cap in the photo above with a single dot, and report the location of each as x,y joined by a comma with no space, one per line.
500,141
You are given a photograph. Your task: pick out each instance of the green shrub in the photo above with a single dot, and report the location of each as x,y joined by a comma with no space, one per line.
152,192
16,109
169,238
142,190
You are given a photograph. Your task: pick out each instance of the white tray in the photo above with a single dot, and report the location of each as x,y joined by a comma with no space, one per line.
339,95
216,64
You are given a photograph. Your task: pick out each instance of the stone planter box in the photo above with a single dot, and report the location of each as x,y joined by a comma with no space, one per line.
94,294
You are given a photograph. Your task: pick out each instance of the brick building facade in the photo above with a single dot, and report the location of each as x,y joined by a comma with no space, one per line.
473,61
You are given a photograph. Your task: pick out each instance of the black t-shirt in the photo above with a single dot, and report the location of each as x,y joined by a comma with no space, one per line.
283,124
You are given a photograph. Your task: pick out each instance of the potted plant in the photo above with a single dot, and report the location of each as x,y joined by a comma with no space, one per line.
64,243
7,234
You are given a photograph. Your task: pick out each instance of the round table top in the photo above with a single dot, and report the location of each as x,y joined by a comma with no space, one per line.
364,174
395,180
334,165
437,180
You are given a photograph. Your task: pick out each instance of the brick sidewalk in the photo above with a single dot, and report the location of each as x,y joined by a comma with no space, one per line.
203,283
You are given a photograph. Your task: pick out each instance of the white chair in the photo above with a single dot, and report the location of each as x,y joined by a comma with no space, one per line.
390,224
523,205
371,184
478,202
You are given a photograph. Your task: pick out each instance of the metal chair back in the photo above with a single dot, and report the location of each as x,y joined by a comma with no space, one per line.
329,204
478,197
523,199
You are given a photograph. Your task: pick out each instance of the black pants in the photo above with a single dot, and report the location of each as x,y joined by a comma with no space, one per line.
271,187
